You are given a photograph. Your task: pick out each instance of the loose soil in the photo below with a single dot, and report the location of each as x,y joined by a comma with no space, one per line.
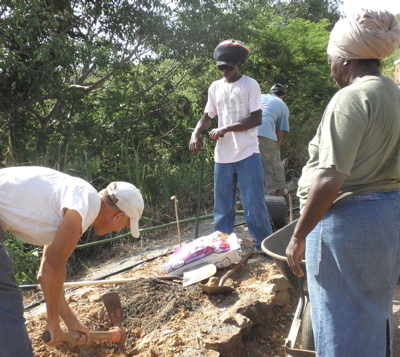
163,318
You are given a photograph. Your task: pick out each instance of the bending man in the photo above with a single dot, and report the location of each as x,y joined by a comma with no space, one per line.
45,207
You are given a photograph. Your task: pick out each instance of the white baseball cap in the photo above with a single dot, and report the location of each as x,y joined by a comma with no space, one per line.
130,201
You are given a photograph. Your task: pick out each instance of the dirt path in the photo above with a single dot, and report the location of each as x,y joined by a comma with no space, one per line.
162,319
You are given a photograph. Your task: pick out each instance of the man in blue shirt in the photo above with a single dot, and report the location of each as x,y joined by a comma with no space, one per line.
275,120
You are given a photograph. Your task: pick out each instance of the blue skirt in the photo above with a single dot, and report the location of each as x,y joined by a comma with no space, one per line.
353,265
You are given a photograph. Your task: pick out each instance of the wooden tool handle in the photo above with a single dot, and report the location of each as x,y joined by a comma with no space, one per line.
114,335
231,271
98,282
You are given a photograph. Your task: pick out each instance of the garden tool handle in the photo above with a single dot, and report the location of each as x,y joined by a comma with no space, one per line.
231,271
114,335
206,133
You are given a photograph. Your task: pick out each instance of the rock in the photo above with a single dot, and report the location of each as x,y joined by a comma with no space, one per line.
244,323
137,333
211,354
213,281
227,344
145,342
72,298
283,298
256,308
135,352
95,298
241,317
280,282
202,352
268,290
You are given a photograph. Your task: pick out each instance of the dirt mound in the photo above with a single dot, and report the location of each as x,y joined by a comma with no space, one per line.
163,318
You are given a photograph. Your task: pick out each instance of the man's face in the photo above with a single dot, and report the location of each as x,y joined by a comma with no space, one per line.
231,74
114,222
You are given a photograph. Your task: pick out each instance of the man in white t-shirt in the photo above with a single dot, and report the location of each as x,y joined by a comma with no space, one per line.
236,99
45,207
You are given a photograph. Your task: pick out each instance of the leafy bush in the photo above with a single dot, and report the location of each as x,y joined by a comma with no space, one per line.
26,259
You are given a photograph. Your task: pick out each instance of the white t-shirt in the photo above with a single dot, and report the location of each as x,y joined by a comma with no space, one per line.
32,200
233,102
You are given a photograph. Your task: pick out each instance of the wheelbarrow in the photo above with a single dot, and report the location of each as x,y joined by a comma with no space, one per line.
275,246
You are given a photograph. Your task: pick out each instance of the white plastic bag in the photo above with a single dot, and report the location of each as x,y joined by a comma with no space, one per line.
217,248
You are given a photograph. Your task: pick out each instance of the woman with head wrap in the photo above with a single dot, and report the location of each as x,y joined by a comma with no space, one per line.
350,196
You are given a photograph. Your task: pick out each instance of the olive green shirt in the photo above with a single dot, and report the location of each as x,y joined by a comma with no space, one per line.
360,136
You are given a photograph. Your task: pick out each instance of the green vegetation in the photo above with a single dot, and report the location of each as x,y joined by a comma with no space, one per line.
28,258
106,90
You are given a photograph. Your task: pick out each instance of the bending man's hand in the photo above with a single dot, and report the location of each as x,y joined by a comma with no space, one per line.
85,338
56,334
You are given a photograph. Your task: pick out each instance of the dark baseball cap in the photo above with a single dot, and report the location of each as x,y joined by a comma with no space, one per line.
230,53
278,88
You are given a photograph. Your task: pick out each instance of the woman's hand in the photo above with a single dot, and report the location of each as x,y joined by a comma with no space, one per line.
323,190
294,254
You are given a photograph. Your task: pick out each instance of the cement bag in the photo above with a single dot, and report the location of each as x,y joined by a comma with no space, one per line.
217,248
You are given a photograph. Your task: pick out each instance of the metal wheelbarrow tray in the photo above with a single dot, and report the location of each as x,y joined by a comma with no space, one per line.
275,246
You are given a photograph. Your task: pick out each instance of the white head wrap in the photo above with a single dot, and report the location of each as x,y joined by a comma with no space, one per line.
368,34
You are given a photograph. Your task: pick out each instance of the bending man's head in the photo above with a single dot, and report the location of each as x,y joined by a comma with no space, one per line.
122,206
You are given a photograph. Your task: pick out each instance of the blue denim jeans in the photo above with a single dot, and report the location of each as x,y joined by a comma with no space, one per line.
353,265
14,340
248,175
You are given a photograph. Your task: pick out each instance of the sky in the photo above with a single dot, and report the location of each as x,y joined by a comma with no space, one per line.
354,5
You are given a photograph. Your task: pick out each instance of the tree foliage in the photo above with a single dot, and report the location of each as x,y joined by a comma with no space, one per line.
299,62
310,10
108,89
56,55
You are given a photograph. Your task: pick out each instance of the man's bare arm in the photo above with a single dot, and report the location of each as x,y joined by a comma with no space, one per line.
250,122
52,275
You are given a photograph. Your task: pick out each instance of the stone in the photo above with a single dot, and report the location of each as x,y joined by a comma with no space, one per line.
255,308
244,323
227,344
282,298
280,282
